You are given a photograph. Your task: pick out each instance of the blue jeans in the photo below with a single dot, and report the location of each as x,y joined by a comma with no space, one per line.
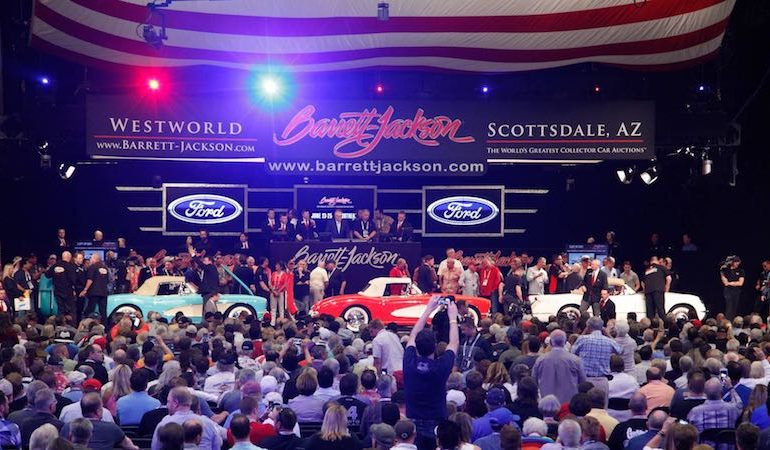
426,434
494,304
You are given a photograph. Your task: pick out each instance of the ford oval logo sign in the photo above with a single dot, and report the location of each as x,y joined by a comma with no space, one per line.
463,211
205,209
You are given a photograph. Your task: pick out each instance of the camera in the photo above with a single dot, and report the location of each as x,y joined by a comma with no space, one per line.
445,300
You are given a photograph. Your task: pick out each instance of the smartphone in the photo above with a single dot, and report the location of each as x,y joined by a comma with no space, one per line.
723,374
384,371
445,300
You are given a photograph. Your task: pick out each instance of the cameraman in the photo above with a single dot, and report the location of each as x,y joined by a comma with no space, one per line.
732,279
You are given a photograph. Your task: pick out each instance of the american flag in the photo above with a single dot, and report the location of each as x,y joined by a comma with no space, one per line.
334,35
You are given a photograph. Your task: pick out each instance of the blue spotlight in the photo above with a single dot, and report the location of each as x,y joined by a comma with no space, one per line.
485,89
701,88
45,81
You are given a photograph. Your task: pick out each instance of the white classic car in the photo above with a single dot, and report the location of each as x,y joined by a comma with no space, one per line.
626,300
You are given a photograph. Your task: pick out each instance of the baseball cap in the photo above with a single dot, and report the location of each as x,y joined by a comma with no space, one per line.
92,385
382,433
247,346
404,429
55,360
346,335
495,397
63,336
76,377
190,329
456,397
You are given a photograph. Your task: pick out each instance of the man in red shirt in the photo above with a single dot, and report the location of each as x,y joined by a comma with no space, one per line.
258,430
491,285
398,271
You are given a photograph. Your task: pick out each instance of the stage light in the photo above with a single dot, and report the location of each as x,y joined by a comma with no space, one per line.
43,146
701,88
66,171
379,88
485,89
45,81
153,84
597,89
626,176
270,86
650,175
383,11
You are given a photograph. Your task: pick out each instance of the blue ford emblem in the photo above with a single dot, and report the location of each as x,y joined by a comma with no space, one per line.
205,209
463,211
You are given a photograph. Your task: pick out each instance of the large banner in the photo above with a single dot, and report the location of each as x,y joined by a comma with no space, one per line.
218,208
359,261
367,137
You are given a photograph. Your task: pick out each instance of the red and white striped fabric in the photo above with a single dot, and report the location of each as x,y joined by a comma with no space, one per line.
329,35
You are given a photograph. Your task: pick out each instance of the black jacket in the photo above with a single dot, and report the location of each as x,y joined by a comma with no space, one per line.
210,280
344,233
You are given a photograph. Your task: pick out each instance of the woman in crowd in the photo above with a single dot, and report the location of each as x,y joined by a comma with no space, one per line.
119,387
498,376
13,289
757,398
525,405
301,285
465,422
278,285
334,434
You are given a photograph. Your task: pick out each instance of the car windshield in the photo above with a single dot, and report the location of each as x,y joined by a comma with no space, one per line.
169,288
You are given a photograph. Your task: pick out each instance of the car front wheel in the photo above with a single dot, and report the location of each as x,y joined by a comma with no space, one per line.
355,317
234,311
682,311
122,311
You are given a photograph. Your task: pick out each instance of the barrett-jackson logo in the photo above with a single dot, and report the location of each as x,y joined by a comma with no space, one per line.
334,201
368,128
346,256
463,211
205,209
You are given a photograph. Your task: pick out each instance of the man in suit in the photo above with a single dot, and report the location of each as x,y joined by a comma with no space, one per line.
148,272
245,274
62,244
270,225
243,246
606,306
364,228
284,230
305,228
594,281
204,245
338,228
337,280
402,229
209,283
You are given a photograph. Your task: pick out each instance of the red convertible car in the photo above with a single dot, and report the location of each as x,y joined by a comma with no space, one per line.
376,302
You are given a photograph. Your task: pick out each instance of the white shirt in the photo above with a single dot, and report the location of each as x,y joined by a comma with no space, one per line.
622,385
536,286
73,411
327,393
387,347
318,278
641,372
219,382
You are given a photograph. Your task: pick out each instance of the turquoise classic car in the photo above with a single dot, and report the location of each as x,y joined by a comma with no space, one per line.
169,295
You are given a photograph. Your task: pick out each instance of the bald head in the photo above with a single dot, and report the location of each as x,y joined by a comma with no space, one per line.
558,338
595,323
713,389
656,419
66,256
638,404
